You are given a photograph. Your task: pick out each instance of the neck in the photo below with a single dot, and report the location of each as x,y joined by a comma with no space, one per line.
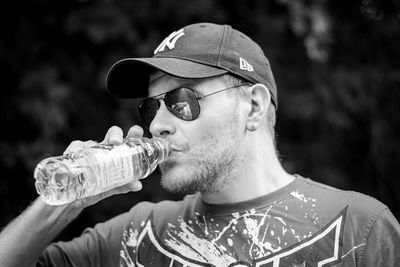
257,173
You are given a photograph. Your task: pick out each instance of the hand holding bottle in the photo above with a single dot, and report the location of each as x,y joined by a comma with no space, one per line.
114,136
26,237
90,171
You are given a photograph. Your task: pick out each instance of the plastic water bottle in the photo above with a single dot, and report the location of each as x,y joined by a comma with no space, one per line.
97,169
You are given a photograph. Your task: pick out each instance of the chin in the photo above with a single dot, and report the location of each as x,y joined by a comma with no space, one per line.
172,177
179,179
194,173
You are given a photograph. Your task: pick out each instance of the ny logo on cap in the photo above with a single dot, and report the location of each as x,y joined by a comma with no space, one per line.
170,41
244,65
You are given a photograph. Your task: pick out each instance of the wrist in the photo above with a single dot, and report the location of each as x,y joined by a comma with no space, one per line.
57,216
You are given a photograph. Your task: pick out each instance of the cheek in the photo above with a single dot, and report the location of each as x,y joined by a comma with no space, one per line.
213,134
217,116
207,130
217,122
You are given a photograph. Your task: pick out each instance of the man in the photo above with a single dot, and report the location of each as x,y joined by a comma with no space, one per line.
212,94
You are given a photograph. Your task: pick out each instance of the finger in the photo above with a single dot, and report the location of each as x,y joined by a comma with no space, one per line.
132,186
114,136
135,186
74,146
90,143
79,145
135,131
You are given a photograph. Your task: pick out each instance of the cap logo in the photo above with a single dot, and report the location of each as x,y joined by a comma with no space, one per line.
169,41
244,65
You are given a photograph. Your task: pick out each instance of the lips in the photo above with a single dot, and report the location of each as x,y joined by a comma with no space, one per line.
178,146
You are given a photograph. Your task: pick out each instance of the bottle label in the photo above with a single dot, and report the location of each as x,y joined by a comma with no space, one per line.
115,165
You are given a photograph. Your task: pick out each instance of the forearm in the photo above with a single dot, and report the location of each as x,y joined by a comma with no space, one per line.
24,239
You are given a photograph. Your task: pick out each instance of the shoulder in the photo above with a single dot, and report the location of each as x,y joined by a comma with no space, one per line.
367,221
360,210
357,202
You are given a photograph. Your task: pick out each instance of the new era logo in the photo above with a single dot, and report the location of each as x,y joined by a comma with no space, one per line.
170,41
244,65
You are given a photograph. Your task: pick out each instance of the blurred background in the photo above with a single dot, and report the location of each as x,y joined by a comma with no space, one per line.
336,63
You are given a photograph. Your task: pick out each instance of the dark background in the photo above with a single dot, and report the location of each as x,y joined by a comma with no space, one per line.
336,63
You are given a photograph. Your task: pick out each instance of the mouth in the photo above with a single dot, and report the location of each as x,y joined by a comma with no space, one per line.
178,146
176,156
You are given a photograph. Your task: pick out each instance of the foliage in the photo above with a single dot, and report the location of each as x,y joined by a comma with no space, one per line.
335,62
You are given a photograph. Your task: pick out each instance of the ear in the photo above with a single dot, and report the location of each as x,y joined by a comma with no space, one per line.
260,100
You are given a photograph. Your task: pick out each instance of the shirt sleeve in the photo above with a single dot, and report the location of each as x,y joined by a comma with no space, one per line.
382,246
98,246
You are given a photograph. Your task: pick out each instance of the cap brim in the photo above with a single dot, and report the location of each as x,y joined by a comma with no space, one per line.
129,78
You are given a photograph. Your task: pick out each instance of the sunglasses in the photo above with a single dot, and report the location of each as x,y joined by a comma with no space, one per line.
182,102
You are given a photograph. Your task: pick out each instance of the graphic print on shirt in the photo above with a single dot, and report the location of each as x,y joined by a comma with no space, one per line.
250,238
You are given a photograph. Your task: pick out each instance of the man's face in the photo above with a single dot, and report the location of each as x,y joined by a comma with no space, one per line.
206,150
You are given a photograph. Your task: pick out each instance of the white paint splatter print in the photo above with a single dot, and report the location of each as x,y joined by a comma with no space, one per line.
187,242
266,233
129,243
351,250
263,233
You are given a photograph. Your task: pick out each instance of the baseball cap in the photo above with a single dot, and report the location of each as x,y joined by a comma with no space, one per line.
199,50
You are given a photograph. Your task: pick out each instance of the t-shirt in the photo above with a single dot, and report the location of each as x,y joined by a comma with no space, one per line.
302,224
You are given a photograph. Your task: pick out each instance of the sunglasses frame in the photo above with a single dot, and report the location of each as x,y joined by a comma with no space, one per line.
196,98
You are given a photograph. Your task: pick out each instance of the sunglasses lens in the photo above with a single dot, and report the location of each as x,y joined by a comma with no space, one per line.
147,110
183,104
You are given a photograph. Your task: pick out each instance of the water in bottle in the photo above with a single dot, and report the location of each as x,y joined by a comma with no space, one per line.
97,169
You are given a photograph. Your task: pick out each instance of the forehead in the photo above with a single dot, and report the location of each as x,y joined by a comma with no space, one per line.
161,82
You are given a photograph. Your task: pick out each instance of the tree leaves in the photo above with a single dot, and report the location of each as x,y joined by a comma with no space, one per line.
336,64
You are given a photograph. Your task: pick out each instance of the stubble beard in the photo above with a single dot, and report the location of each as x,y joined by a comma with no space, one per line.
206,168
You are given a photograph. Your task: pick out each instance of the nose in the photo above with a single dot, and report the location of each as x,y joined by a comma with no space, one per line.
162,124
